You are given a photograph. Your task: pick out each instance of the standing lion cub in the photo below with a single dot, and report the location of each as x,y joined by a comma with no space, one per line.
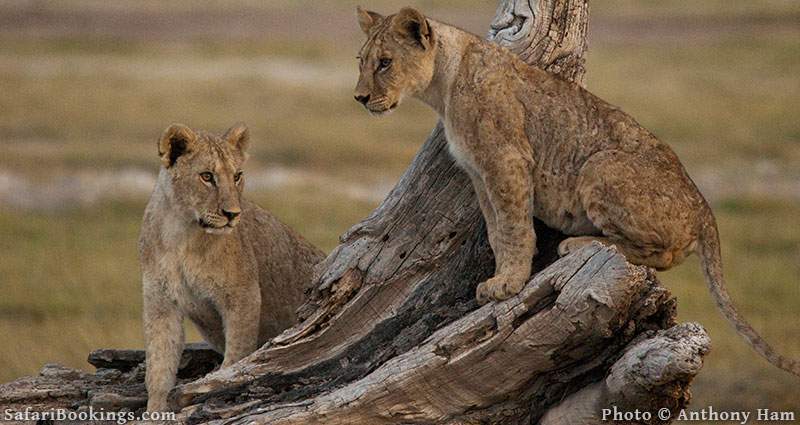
209,255
536,145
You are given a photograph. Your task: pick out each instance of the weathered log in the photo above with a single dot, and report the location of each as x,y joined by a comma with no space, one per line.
197,360
118,382
508,362
652,374
561,333
547,33
391,333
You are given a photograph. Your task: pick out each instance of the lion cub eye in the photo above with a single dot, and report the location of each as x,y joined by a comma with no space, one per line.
384,63
237,176
207,177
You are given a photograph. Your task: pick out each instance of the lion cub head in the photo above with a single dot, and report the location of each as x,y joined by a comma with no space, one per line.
205,175
397,59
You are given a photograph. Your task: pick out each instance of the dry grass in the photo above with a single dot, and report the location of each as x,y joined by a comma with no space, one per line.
717,79
72,283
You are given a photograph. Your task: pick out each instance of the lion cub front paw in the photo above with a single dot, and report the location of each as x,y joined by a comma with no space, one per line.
499,288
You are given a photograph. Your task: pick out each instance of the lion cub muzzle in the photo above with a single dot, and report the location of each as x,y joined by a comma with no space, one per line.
219,223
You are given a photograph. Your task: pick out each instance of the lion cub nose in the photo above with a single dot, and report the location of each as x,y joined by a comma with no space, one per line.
363,99
232,214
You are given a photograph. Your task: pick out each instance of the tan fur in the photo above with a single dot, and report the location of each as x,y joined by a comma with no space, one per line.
238,278
536,145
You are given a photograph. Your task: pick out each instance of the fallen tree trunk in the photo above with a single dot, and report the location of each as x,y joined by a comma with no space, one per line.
510,362
589,332
391,333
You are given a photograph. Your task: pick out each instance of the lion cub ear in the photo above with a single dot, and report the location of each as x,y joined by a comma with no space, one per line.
367,19
238,136
410,23
176,141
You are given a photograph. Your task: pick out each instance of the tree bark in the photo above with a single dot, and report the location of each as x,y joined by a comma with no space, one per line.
391,332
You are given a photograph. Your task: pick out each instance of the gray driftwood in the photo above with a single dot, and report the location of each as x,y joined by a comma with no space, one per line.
391,333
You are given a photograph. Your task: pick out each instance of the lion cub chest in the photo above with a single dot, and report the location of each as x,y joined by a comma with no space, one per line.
193,281
457,144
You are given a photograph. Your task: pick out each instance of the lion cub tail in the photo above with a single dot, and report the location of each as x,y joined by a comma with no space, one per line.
710,260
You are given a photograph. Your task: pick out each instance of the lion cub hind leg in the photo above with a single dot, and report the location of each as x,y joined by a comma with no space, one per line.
659,259
643,203
573,244
509,193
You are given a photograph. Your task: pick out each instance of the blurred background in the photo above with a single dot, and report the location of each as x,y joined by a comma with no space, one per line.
87,86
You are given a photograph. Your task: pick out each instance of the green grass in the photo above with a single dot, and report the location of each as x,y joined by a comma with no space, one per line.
726,100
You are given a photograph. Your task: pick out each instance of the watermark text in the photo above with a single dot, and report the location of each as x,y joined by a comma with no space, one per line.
89,415
706,414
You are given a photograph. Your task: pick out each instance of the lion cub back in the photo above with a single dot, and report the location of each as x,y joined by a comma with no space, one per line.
286,263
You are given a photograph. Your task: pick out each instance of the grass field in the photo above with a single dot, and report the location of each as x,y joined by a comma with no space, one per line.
87,86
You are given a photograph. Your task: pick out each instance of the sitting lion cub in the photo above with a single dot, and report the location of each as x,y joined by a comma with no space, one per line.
536,145
207,254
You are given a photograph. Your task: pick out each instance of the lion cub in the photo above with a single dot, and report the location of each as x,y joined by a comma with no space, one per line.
209,255
536,145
